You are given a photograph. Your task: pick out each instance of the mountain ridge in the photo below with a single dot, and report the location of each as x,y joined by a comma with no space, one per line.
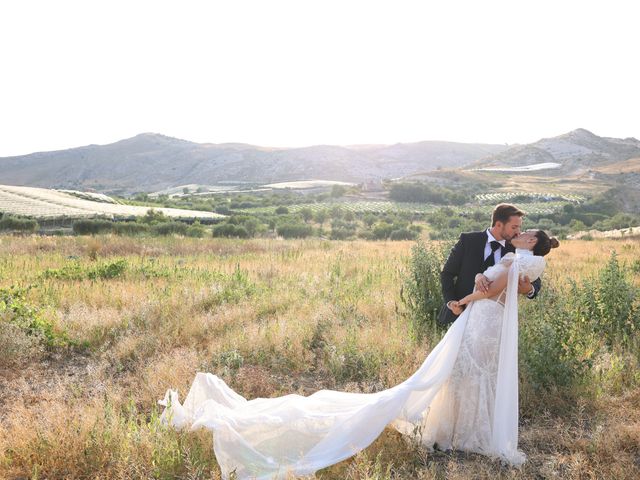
574,150
150,161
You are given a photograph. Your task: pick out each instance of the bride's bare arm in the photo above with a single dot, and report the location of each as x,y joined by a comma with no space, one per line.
495,288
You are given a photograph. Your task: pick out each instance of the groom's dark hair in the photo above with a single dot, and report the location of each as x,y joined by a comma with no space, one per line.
503,212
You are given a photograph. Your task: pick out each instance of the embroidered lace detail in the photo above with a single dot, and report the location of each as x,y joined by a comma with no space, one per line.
461,415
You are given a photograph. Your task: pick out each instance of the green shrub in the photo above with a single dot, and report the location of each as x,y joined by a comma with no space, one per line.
551,342
342,229
403,234
231,231
18,224
92,226
108,270
250,224
169,228
15,310
608,303
421,291
223,210
75,271
153,216
307,214
426,193
342,233
369,219
382,230
294,230
230,360
336,212
72,271
572,327
196,230
321,216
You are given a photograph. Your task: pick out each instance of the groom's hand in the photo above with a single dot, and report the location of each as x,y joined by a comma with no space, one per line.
455,307
524,286
482,283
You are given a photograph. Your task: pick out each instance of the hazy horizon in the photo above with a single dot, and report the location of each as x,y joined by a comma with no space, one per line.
285,147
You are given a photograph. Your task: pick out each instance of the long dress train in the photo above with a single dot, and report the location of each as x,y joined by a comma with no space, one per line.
463,396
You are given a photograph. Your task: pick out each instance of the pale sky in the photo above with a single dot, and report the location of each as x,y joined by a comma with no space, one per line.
297,73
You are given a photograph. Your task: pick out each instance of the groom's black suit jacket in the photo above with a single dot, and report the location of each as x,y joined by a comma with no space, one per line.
464,263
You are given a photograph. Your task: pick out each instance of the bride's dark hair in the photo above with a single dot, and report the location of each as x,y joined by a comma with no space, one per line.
544,243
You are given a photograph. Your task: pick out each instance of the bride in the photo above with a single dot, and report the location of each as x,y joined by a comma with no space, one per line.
464,396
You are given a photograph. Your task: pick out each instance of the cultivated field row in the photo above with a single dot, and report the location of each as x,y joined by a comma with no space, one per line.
508,196
405,207
48,204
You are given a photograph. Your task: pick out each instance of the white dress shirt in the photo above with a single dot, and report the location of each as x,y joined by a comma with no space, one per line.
497,255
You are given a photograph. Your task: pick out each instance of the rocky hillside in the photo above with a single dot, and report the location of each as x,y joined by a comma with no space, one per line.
152,162
576,151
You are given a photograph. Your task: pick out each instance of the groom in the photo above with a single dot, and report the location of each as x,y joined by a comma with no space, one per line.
474,253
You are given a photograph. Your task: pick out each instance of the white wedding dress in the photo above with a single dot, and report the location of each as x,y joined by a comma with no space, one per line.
464,396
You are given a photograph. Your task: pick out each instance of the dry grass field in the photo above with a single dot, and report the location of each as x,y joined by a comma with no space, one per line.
626,166
129,318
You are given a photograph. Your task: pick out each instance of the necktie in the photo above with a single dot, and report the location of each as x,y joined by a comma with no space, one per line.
490,260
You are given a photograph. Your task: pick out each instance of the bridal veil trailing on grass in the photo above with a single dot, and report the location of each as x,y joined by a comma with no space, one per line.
278,437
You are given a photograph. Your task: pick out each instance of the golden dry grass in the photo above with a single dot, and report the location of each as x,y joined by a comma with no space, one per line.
257,313
626,166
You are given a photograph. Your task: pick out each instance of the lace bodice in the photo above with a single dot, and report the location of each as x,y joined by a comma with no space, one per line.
531,266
